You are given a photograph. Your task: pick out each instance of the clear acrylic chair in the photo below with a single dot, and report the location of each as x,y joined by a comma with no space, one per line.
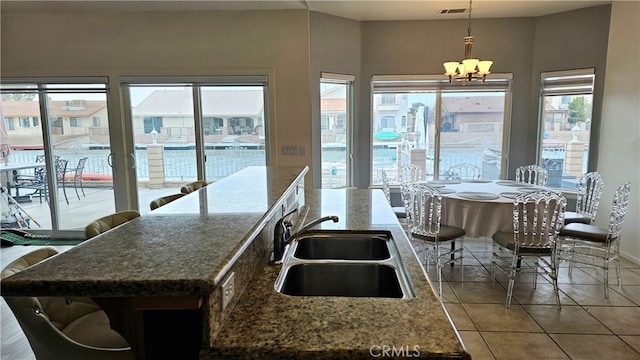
537,218
410,173
591,245
386,188
588,199
532,174
423,217
464,171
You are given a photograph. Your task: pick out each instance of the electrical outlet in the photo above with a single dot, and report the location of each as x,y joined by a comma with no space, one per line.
289,150
228,290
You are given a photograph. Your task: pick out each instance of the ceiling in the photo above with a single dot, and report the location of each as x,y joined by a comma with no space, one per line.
352,9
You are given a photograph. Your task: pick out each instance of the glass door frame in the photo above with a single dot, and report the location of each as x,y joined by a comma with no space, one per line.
196,83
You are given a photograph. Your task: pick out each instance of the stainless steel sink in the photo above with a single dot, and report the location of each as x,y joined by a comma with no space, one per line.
344,263
343,245
342,279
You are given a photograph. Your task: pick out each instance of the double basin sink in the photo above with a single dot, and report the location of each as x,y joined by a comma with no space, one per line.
344,263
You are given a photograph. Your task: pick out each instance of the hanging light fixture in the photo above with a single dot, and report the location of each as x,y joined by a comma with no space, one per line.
469,69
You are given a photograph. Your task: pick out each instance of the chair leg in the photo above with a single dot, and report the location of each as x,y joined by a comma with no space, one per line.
554,275
512,279
64,191
75,187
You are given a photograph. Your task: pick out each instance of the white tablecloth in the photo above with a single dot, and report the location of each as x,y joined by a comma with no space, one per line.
480,217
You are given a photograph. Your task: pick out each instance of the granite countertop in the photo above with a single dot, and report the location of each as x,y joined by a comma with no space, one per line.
267,324
181,248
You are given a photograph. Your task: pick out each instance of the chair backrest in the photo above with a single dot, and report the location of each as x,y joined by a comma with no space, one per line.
63,327
191,187
61,169
532,174
464,171
109,222
618,211
589,192
80,168
425,206
156,203
537,218
386,187
410,173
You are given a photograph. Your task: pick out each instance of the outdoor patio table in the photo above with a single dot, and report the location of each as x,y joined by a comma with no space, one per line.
13,168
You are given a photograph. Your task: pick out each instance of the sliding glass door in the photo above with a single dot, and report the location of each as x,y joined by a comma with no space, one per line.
194,129
56,167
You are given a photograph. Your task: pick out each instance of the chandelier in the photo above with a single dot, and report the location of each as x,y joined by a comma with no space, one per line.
469,69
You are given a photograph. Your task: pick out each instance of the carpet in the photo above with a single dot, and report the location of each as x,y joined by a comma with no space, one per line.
10,239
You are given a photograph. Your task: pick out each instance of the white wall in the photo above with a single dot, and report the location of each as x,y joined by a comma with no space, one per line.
114,44
619,156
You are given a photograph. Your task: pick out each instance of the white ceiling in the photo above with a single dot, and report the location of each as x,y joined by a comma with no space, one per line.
352,9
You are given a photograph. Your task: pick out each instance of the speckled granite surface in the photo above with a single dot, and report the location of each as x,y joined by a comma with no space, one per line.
188,246
267,324
180,249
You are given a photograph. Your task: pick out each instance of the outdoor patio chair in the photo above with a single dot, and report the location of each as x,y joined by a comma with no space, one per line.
77,177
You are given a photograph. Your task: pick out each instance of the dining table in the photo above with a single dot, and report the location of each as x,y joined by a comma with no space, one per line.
480,207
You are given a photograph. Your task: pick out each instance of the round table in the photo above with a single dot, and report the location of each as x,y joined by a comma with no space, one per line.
480,207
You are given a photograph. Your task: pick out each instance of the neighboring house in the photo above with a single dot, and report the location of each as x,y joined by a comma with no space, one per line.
390,112
333,115
225,112
68,118
472,113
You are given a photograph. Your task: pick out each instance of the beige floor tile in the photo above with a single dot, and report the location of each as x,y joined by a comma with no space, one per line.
596,347
577,277
460,318
543,294
496,317
476,346
470,292
522,346
633,341
471,274
568,320
631,292
590,295
621,320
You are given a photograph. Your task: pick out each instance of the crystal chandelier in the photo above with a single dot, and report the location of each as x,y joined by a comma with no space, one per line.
469,69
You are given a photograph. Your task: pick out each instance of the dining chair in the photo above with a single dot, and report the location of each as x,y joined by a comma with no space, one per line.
70,328
532,174
386,188
163,200
424,224
193,186
410,173
537,218
589,245
36,182
109,222
590,188
464,171
77,176
61,173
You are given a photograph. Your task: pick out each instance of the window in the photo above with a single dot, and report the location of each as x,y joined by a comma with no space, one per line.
95,121
24,122
75,122
566,103
36,121
9,124
336,114
388,99
435,125
151,123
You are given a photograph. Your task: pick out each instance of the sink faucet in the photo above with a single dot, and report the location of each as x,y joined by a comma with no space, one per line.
282,236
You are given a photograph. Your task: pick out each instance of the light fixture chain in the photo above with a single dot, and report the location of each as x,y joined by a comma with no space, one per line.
469,28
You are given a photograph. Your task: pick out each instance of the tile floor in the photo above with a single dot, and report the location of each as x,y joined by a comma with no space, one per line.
588,326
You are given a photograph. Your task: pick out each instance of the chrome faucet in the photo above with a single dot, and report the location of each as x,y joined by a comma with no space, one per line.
282,234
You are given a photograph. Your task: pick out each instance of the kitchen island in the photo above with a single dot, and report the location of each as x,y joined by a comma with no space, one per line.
167,268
